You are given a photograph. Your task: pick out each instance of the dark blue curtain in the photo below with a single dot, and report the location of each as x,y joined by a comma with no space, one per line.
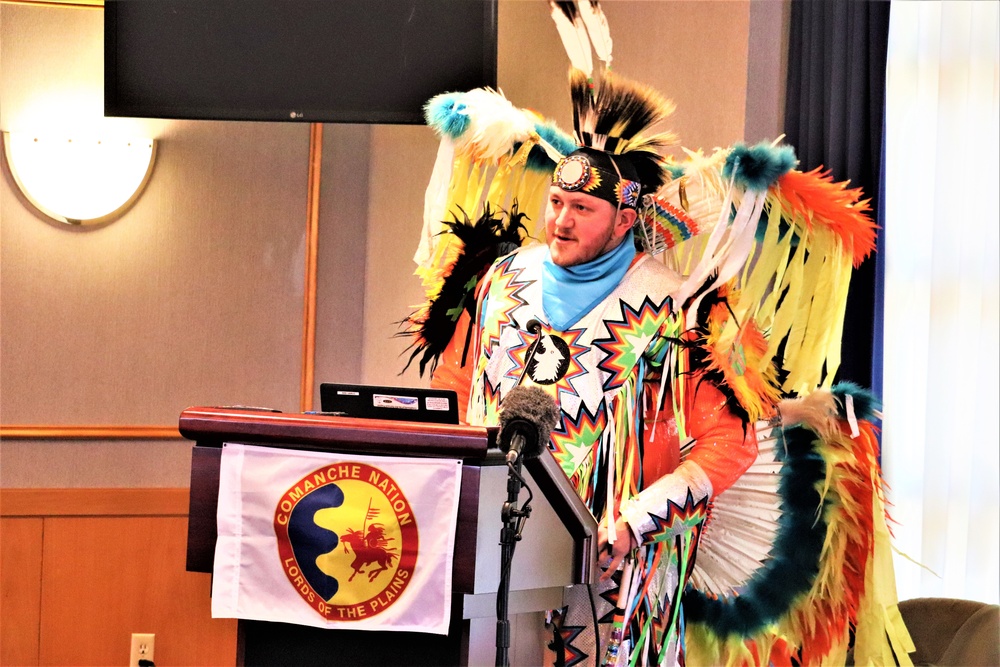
834,108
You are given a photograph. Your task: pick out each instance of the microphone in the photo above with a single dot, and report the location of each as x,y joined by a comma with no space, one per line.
527,417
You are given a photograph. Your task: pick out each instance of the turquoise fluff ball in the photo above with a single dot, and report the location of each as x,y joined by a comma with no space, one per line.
758,167
446,114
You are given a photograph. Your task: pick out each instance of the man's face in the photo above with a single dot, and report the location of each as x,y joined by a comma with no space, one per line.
580,227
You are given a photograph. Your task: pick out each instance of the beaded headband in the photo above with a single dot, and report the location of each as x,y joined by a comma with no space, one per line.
577,172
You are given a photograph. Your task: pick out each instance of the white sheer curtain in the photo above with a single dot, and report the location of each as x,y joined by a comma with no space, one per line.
941,433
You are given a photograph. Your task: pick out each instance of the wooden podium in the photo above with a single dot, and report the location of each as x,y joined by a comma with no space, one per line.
558,546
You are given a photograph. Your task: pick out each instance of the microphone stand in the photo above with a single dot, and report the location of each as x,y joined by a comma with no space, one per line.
510,533
513,523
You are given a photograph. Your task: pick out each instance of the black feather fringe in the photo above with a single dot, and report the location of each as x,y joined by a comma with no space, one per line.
481,243
624,108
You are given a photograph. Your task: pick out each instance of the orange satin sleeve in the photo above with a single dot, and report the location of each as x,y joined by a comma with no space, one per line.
661,448
723,448
450,373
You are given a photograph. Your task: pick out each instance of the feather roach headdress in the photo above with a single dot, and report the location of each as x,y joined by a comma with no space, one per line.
616,161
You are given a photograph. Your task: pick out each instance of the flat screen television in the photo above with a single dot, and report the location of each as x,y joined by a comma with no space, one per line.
351,61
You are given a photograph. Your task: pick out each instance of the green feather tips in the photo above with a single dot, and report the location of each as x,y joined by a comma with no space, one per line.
446,113
675,170
866,404
758,167
538,159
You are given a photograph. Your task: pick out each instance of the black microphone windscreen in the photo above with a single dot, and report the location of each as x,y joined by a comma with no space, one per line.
534,405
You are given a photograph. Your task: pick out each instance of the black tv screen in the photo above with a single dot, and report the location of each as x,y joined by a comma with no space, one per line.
351,61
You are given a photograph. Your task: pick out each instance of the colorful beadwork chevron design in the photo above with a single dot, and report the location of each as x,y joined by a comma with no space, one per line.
668,222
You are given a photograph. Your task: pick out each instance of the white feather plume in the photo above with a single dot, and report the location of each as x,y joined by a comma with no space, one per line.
495,125
598,28
574,38
740,534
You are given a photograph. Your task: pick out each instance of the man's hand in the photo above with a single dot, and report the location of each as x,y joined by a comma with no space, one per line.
624,544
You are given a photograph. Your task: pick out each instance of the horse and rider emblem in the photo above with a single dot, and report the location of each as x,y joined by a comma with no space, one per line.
348,541
370,547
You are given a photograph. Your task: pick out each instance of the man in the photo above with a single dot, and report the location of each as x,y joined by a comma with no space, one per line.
608,329
658,378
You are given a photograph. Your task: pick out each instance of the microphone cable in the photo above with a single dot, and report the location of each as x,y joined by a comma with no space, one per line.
533,327
597,630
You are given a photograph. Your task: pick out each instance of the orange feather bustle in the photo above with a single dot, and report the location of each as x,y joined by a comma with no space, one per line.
753,381
815,197
824,623
781,654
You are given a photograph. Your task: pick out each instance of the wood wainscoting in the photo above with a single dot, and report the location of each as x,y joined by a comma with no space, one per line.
82,569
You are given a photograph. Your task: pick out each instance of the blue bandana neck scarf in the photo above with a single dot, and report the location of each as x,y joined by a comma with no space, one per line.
569,293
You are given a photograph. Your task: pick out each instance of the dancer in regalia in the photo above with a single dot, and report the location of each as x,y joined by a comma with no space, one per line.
686,318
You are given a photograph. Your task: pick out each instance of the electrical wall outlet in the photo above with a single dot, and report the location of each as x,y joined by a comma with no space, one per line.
142,648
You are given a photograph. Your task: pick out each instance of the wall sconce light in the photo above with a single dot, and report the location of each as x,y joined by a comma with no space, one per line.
79,180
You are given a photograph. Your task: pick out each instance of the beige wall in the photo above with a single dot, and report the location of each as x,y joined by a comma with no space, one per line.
195,295
343,246
767,69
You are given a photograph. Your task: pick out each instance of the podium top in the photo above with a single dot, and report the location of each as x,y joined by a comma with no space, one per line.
477,446
212,426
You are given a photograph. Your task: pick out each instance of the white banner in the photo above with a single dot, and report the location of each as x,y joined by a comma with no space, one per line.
335,540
